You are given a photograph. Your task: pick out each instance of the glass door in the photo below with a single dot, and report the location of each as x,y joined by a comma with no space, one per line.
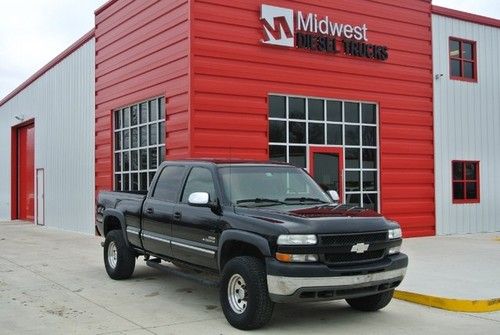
326,167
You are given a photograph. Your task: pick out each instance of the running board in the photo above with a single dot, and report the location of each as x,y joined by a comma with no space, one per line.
183,274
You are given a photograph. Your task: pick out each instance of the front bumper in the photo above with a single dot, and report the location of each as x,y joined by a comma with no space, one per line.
315,282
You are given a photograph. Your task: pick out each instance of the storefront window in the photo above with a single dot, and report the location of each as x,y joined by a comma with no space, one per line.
298,123
139,138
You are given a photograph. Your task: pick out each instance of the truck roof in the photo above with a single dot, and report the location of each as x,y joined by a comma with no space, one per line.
220,161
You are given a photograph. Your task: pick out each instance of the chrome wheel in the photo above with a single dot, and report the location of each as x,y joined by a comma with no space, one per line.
112,254
237,294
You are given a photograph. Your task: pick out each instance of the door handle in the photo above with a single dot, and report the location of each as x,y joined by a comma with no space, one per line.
150,211
177,216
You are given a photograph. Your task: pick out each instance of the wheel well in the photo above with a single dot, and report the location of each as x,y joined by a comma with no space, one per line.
232,249
111,223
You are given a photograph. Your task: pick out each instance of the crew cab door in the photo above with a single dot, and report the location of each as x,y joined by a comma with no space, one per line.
196,230
158,211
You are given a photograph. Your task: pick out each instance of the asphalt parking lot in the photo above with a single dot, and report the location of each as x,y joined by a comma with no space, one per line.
53,282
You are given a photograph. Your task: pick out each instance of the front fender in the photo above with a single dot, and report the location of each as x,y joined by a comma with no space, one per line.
242,236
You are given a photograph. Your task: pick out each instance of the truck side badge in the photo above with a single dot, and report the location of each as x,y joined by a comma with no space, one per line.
209,239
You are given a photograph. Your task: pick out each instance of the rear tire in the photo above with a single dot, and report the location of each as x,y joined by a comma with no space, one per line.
243,293
119,259
371,303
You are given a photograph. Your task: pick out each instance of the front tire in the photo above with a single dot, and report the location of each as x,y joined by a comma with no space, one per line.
244,295
119,259
371,303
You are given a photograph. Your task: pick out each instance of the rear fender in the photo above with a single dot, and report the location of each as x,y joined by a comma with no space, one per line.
108,213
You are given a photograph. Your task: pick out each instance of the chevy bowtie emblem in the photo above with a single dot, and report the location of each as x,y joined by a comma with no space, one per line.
360,248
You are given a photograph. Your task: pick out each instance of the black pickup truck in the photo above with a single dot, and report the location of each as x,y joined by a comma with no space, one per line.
267,233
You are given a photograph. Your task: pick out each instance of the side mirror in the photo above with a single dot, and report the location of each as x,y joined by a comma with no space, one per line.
334,195
199,199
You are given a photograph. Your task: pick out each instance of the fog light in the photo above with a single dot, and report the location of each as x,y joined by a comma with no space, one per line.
394,250
289,258
395,234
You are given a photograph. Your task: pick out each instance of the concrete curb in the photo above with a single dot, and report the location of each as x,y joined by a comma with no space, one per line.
454,305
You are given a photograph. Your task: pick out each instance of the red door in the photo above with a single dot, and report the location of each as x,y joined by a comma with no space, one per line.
26,172
326,165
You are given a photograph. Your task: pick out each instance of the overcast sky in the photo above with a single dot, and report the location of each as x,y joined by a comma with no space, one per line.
33,32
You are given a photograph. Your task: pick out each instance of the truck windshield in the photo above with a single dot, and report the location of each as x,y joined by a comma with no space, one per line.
266,186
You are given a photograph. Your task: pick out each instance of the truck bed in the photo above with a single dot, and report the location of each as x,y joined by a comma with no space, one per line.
127,203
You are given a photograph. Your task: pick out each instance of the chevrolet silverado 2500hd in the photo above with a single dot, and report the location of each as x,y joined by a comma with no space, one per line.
267,232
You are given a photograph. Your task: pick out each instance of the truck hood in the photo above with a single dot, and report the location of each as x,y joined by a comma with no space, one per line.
322,219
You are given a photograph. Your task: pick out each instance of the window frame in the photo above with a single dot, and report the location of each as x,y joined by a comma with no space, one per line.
186,180
463,60
464,181
155,182
288,145
119,149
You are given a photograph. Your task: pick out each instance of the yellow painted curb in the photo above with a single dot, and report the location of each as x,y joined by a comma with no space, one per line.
497,239
454,305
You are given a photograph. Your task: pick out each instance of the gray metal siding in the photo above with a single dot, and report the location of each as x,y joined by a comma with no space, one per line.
467,124
62,104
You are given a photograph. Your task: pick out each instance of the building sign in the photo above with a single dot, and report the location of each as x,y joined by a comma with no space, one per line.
295,29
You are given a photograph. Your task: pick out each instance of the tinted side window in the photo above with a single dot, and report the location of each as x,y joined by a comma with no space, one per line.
199,180
169,183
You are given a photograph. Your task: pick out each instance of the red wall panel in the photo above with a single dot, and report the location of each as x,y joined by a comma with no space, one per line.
142,51
233,73
206,57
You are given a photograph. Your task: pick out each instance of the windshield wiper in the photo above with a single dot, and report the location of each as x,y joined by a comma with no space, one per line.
309,200
259,201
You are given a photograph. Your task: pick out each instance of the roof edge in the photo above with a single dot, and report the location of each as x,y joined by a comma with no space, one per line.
104,7
464,16
81,41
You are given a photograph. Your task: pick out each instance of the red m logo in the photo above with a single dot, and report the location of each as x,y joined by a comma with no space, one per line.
280,26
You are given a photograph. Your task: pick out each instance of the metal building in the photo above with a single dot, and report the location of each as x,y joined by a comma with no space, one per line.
391,103
47,144
466,51
228,94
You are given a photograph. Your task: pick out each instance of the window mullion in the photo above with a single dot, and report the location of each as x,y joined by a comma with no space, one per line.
462,65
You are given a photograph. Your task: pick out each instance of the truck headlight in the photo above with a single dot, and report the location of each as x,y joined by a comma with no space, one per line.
297,240
289,258
395,234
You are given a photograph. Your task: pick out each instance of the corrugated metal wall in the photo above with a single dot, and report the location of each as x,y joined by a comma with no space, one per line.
233,74
467,123
61,102
142,52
